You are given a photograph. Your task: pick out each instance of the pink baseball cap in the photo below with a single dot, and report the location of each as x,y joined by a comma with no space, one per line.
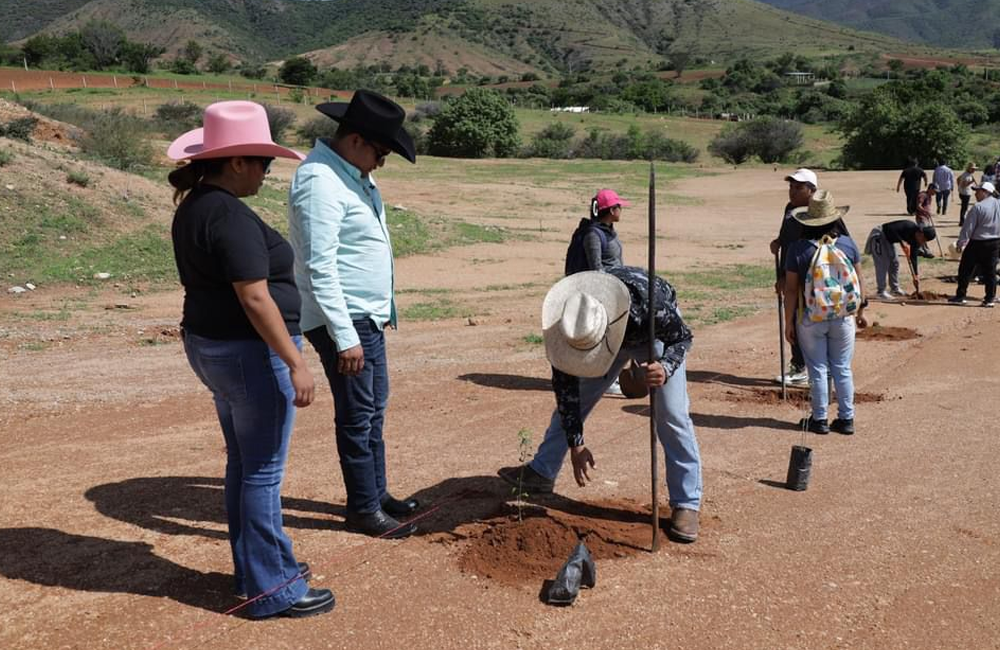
236,128
609,198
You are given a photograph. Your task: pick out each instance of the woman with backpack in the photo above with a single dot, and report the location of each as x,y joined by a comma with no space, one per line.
595,246
824,299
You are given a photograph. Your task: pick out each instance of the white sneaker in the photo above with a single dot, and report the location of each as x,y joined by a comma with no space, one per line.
794,377
899,292
614,389
884,295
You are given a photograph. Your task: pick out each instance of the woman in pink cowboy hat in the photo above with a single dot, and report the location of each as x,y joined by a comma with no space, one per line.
242,339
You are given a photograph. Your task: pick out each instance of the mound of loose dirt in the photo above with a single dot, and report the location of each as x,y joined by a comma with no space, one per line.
927,295
796,396
883,333
46,130
533,549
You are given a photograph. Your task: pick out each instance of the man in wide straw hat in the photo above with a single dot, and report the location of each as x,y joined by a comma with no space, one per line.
593,324
344,270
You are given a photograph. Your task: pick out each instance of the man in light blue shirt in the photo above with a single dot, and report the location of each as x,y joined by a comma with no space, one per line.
944,179
344,272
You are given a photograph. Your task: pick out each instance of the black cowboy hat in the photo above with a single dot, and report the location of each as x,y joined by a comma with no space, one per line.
375,118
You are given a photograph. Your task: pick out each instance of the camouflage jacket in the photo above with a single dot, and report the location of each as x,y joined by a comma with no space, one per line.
670,330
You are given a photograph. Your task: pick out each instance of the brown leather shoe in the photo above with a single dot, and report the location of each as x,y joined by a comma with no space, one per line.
683,525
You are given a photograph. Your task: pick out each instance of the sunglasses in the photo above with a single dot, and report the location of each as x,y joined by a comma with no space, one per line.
380,152
265,163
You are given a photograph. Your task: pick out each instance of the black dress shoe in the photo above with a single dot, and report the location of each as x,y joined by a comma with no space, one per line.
315,601
379,524
396,508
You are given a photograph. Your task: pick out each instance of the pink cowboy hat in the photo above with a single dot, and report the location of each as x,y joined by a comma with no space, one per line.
235,128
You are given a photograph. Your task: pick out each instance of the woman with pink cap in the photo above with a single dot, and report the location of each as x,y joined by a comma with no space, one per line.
595,245
242,338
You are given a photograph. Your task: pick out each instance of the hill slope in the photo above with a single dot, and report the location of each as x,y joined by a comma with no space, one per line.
948,23
541,35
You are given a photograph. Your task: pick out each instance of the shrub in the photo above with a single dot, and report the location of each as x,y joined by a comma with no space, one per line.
478,124
6,157
118,139
182,66
219,63
297,71
253,70
318,127
425,110
635,145
769,138
280,119
77,177
20,128
176,117
554,141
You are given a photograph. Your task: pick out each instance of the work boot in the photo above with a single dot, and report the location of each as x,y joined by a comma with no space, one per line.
526,480
683,525
578,571
815,426
844,426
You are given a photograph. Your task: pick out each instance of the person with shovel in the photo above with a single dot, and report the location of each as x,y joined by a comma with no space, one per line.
593,323
881,245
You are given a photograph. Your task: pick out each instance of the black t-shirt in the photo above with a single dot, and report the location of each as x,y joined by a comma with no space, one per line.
901,230
218,240
912,178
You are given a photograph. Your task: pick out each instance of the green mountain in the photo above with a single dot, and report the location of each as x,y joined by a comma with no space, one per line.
483,35
948,23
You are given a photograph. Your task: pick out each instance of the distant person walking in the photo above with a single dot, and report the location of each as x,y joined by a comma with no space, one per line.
242,338
979,241
989,174
823,312
944,180
965,183
912,179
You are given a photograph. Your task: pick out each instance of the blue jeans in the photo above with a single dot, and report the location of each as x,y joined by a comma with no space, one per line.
673,427
253,398
359,413
829,348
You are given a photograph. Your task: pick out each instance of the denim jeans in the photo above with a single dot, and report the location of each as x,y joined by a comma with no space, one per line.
829,348
253,399
359,412
941,197
674,428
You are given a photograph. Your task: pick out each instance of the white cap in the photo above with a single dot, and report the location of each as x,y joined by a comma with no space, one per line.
986,187
804,175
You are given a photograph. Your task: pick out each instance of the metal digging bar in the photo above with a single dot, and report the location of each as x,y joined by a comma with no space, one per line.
654,467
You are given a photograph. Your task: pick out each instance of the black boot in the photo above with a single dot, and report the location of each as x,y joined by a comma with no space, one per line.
578,571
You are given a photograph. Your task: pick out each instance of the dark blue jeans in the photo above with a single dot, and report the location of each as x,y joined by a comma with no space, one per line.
359,413
253,399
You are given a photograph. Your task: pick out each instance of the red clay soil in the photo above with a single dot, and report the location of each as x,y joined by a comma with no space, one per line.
513,552
927,295
883,333
45,130
796,396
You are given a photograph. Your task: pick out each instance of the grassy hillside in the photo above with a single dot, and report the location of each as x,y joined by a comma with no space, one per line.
544,35
948,23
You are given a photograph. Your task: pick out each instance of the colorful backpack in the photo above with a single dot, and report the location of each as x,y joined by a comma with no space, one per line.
832,290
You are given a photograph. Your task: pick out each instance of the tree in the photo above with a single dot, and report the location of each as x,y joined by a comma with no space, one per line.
136,57
769,138
297,71
478,124
192,52
731,145
104,41
219,63
883,131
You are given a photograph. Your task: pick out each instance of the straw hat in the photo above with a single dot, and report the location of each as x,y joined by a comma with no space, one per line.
237,128
583,322
821,210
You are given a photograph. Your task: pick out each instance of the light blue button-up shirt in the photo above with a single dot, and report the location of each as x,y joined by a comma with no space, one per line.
343,256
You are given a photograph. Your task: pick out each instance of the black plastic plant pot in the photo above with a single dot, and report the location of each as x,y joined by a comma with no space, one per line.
799,467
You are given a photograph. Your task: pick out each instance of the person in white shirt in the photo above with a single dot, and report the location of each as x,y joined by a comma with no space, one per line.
944,179
965,183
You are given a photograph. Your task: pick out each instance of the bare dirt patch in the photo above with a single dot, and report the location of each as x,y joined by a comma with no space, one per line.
796,396
879,332
515,552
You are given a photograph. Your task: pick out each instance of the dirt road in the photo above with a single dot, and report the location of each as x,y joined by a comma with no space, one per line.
112,533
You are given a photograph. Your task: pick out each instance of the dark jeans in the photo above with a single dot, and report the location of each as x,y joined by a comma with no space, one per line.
253,398
983,253
797,359
911,200
359,413
965,198
942,201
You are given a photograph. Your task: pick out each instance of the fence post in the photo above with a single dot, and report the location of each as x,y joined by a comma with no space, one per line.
175,84
147,81
13,87
51,85
84,81
114,78
143,106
